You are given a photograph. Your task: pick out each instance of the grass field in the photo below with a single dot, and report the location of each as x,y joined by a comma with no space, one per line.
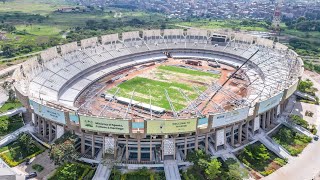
43,7
163,78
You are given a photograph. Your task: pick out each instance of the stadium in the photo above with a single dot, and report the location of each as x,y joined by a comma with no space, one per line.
155,95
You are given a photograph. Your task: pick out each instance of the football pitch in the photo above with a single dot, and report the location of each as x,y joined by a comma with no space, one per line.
153,84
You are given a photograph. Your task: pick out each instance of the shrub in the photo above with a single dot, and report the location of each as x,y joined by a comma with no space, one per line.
37,167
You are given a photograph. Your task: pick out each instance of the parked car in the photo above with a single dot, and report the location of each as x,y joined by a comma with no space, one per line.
31,175
28,161
316,137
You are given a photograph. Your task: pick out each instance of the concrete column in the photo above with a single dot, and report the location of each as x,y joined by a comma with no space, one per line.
240,133
196,142
103,146
44,126
139,150
232,135
269,117
215,141
82,143
252,129
115,147
127,149
39,123
150,149
264,121
247,130
50,131
206,142
162,150
92,146
225,138
185,147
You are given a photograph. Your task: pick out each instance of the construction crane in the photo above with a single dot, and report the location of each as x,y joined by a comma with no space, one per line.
277,17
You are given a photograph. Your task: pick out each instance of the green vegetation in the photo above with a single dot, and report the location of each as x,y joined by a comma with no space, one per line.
141,174
206,168
19,150
9,124
303,123
259,158
73,171
292,141
250,25
188,71
63,150
10,105
37,167
34,25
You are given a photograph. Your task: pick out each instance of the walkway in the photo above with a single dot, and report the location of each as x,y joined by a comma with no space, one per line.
13,112
103,172
274,147
171,170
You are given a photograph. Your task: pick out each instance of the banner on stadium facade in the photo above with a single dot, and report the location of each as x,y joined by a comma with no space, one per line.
74,118
171,126
229,117
47,112
292,89
104,125
269,103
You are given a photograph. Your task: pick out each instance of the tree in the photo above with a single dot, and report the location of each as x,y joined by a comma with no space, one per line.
64,150
4,124
8,50
235,172
213,169
285,136
25,142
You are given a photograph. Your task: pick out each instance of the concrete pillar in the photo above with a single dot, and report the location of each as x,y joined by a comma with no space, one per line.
206,142
247,130
215,141
139,150
92,146
196,142
127,149
115,147
269,118
82,143
264,121
240,133
150,149
225,138
39,123
162,150
50,131
44,126
252,129
185,147
232,135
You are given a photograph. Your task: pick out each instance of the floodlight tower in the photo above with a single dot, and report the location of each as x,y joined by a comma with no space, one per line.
277,16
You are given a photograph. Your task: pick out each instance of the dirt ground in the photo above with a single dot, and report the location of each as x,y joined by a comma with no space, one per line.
95,105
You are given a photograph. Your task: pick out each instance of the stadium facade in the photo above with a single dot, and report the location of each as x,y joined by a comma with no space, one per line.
49,85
